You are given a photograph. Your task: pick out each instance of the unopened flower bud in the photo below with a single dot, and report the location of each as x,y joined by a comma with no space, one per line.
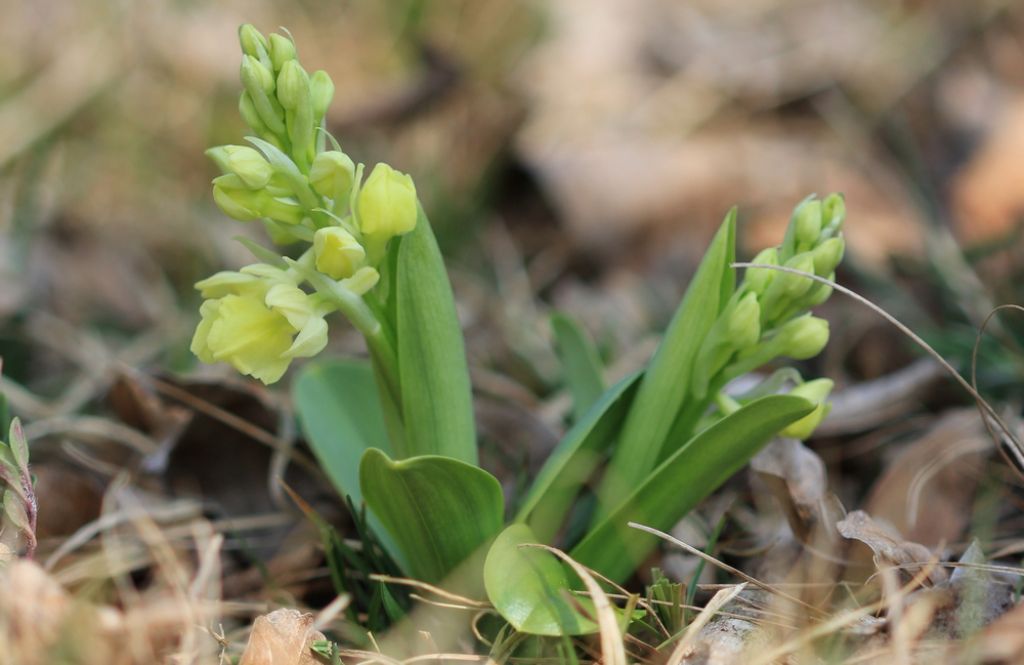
758,279
256,76
259,84
833,213
816,392
248,112
792,285
236,199
387,203
827,256
321,91
821,292
282,234
282,50
292,85
338,253
284,210
807,224
803,337
331,174
248,164
744,325
252,41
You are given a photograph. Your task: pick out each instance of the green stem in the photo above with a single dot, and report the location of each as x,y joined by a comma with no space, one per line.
392,412
362,317
386,360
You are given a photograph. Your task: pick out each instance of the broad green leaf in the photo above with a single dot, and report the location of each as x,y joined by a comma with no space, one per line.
682,481
437,407
573,461
437,509
665,385
340,412
581,365
530,587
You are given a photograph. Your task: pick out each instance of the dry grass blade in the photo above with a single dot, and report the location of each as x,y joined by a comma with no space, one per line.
367,657
464,603
331,611
726,567
613,650
834,624
1014,446
717,602
437,603
94,427
173,512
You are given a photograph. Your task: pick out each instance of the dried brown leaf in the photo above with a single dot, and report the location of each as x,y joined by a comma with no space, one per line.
888,547
283,637
796,477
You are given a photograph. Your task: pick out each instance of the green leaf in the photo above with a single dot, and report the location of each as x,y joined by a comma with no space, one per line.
682,481
438,510
666,382
340,413
5,409
581,365
14,510
339,408
19,446
574,459
530,587
437,405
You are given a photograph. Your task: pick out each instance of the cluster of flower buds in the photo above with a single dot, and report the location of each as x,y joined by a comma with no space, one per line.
768,316
262,317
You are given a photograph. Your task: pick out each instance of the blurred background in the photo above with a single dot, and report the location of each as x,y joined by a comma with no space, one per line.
573,155
586,146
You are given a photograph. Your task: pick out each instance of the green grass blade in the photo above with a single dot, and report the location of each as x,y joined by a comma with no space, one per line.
664,388
529,586
438,510
581,364
437,406
682,481
574,459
